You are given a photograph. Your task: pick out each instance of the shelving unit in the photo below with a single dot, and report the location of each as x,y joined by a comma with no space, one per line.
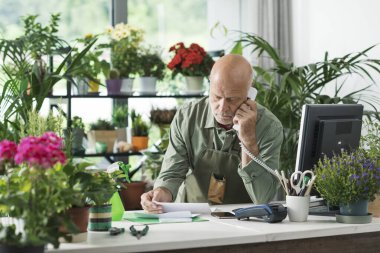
124,98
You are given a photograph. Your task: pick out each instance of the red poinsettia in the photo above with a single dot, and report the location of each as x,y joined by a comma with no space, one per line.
191,61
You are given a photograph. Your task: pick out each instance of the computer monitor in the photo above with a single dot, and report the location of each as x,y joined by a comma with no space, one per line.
327,129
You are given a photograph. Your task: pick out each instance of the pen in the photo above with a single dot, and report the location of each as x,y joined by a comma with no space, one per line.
285,182
311,182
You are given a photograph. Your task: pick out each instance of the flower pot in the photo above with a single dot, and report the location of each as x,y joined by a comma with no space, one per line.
106,136
139,142
81,86
194,83
121,134
131,197
148,84
360,208
100,218
77,140
21,249
126,85
79,216
113,86
93,86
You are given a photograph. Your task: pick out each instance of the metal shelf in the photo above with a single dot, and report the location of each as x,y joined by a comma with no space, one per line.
130,96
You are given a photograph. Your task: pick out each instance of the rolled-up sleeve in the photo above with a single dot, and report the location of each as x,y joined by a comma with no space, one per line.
259,183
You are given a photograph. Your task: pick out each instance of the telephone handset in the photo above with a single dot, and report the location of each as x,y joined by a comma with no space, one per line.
252,92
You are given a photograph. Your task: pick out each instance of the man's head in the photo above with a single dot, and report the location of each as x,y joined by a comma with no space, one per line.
230,79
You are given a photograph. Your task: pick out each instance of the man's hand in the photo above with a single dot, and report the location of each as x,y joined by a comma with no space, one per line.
159,194
246,116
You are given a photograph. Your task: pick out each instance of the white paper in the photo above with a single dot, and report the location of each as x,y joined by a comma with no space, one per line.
169,215
191,207
175,220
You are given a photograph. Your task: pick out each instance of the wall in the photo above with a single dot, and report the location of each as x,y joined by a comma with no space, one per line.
339,27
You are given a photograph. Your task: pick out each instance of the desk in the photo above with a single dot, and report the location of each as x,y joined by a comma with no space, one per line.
318,234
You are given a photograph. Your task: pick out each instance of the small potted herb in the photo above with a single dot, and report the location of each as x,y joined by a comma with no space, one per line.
113,82
140,131
120,116
103,133
152,69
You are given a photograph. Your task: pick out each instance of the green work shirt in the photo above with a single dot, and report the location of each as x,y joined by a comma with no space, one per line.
188,133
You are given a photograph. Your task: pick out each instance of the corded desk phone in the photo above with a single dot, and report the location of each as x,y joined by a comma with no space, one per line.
273,212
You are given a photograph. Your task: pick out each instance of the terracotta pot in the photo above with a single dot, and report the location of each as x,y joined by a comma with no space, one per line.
139,142
131,196
79,215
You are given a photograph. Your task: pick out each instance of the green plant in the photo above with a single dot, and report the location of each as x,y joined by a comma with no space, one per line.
114,74
162,116
90,65
25,76
105,183
139,126
77,122
120,116
37,125
347,178
102,124
124,43
151,64
35,190
285,88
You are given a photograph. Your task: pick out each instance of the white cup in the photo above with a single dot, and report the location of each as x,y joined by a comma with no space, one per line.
298,207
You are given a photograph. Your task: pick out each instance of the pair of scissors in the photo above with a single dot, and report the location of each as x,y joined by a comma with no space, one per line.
139,233
299,180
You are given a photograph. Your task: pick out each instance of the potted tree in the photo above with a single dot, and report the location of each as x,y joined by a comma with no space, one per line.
152,69
140,131
102,134
77,135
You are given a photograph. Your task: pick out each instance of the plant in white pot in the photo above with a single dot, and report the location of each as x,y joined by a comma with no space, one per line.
152,68
124,43
120,117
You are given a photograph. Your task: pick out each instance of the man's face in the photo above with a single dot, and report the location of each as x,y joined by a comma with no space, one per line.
225,99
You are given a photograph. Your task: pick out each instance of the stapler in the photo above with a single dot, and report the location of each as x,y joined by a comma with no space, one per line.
271,213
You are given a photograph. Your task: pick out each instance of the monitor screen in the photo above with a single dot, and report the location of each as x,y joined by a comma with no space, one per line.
327,129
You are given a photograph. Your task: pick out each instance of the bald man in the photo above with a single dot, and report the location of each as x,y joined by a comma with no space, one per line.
204,161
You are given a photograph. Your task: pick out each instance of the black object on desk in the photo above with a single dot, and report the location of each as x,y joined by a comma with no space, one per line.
273,212
139,233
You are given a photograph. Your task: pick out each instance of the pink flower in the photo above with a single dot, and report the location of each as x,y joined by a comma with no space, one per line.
8,150
44,151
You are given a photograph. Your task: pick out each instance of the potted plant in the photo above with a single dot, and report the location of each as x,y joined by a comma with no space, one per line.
140,131
192,62
113,82
124,43
34,179
120,116
89,67
152,69
102,134
349,180
104,184
162,118
77,135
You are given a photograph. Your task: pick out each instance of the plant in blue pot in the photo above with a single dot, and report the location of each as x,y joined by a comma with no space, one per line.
350,180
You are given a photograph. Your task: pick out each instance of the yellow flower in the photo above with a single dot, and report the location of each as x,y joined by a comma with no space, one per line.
89,36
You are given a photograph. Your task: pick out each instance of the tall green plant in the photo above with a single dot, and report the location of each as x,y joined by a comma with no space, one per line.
25,78
285,88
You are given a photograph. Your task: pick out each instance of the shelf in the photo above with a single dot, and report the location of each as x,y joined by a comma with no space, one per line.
108,154
131,96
